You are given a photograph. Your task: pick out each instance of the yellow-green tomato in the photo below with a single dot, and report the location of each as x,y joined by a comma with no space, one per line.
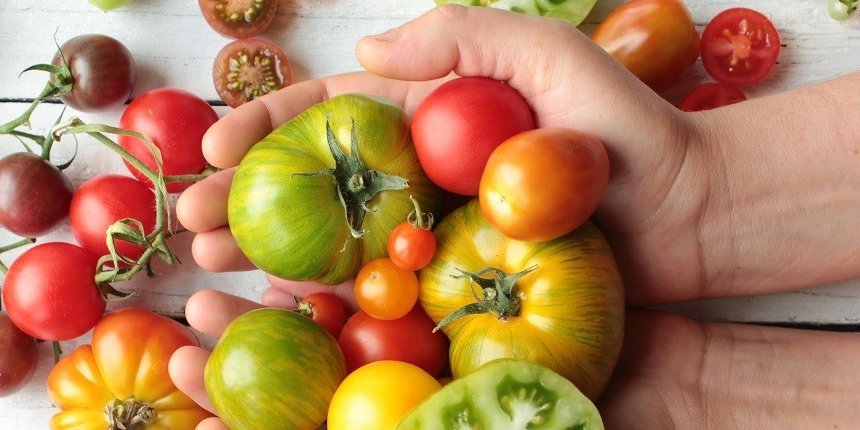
378,395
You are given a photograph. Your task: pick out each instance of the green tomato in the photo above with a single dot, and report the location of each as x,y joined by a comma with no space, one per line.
841,10
573,11
506,394
107,5
274,369
318,197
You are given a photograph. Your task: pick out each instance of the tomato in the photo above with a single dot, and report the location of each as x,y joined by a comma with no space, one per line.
739,46
377,396
542,184
103,72
107,5
460,123
384,290
411,244
411,339
506,394
330,210
123,375
34,195
175,120
18,357
284,364
326,310
238,19
841,10
104,200
249,68
656,40
710,96
573,11
50,291
559,303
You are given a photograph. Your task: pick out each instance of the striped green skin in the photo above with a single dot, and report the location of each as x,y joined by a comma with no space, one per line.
572,11
506,394
274,369
572,313
293,225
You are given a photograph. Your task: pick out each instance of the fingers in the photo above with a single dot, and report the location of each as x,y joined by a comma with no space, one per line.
203,206
186,368
283,293
217,251
211,311
211,424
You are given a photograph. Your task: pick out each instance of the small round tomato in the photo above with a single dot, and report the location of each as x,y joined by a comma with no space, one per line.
50,291
103,72
239,18
18,357
739,46
175,120
107,5
457,127
34,195
365,339
411,245
655,39
544,183
710,96
104,200
377,396
326,310
249,68
384,290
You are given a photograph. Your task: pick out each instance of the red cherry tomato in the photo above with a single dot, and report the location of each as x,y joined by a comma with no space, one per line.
249,68
325,309
739,46
238,19
365,339
175,120
411,245
384,290
710,96
457,126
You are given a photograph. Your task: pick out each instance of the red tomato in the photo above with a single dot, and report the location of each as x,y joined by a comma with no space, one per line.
238,19
249,68
104,200
739,46
711,95
384,290
655,39
50,291
326,310
365,339
411,245
34,195
544,183
460,123
175,120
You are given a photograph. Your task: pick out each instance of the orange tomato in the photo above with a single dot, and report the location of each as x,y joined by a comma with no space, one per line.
384,290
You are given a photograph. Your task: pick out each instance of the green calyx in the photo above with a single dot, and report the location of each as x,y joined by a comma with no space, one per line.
499,295
129,414
356,184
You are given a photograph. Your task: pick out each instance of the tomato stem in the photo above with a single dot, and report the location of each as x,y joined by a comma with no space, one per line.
419,219
129,414
11,246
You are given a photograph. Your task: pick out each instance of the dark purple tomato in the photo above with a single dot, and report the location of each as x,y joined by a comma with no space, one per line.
18,356
34,195
103,72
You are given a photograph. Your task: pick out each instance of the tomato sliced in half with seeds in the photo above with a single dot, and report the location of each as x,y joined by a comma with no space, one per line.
239,18
249,68
739,46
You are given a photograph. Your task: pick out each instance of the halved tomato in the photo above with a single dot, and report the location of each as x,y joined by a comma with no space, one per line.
249,68
239,18
740,46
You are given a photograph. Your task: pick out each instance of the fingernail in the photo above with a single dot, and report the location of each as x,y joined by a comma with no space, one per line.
389,36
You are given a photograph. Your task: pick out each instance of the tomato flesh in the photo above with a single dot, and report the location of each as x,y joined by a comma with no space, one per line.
249,68
740,46
238,18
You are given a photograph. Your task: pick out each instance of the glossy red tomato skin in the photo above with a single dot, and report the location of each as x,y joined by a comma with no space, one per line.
18,357
365,339
223,70
104,200
34,195
655,39
103,70
50,291
740,46
327,311
457,126
240,28
411,247
175,120
711,96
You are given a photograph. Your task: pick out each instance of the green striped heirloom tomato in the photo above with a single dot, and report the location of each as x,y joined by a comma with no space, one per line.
274,369
558,303
506,394
318,197
572,11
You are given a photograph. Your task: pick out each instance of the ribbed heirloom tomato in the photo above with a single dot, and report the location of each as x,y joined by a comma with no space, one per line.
557,303
122,377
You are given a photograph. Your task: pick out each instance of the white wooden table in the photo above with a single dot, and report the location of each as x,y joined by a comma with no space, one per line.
173,46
